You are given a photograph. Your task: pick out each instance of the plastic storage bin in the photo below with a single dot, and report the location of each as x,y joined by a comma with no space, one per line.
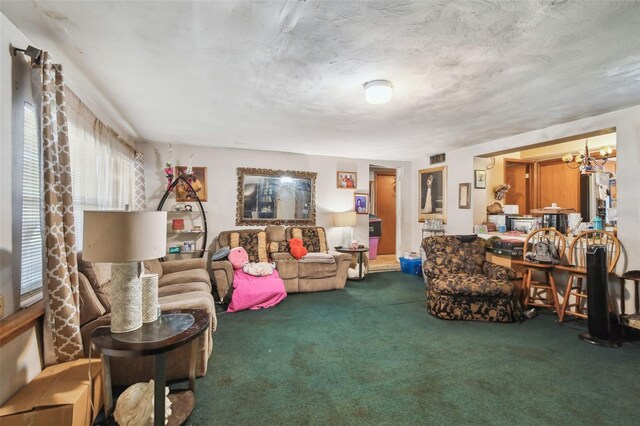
375,226
373,247
411,266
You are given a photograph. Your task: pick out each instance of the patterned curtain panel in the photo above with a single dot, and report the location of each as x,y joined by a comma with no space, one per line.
62,339
138,192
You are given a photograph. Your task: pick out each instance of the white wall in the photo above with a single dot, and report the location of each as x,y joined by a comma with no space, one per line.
221,166
19,359
627,123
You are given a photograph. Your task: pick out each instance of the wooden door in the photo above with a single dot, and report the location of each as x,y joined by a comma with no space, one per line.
385,199
559,184
519,174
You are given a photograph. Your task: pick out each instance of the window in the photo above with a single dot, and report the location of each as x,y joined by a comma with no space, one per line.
102,165
32,227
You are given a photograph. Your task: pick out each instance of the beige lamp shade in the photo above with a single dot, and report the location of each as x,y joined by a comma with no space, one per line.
345,219
124,236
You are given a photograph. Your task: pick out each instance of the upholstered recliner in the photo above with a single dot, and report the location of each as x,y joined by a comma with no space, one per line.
182,284
462,285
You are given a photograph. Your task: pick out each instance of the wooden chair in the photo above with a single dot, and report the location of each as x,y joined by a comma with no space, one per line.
541,294
577,269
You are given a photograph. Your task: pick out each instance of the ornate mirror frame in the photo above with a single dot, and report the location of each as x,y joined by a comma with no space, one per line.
245,171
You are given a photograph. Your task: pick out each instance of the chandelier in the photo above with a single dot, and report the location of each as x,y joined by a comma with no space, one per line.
585,162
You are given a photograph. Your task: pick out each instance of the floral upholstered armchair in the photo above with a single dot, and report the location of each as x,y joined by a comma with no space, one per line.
462,285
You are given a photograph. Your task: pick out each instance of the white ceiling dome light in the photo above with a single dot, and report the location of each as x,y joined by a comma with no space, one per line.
378,91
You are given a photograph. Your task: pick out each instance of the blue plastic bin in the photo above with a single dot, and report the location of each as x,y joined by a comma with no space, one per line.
411,266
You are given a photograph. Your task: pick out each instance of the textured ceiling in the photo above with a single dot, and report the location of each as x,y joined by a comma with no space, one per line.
287,76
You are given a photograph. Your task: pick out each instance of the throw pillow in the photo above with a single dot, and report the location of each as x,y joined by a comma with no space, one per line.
314,238
296,248
255,243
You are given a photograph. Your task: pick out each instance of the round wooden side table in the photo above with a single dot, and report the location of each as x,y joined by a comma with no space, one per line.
360,255
173,329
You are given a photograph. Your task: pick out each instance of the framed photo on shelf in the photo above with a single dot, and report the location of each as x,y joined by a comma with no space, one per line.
199,184
432,194
346,180
464,196
480,179
361,203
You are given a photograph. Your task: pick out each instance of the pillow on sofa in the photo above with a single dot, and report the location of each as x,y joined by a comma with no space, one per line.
313,238
99,275
277,247
153,267
90,306
255,243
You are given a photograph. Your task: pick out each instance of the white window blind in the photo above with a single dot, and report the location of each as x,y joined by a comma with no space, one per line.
102,166
32,210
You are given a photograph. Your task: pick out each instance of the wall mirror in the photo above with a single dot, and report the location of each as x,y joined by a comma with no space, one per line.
275,197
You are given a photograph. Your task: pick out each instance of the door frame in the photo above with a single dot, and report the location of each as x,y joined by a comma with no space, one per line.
533,185
398,173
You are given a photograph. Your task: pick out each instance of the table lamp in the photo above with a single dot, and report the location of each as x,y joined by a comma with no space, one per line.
124,239
345,220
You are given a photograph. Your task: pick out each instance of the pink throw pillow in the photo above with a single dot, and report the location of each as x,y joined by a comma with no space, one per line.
238,257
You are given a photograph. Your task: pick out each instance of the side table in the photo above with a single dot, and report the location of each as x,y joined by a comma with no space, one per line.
171,330
360,255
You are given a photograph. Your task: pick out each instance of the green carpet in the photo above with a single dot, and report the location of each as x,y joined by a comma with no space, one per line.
371,354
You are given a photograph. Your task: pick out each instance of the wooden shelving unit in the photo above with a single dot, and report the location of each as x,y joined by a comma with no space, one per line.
195,218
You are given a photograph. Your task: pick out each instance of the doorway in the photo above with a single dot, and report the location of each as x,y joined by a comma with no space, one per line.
520,175
383,188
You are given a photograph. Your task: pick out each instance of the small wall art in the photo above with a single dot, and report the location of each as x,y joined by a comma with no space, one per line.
198,182
361,203
480,179
346,180
464,196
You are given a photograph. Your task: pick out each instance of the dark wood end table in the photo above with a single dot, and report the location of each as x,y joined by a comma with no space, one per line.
171,330
360,255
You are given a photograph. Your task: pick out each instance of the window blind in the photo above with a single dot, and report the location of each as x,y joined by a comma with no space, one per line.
32,201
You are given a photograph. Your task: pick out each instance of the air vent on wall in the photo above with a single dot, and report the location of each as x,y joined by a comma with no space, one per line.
438,158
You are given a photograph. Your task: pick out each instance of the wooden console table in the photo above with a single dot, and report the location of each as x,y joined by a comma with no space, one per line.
170,331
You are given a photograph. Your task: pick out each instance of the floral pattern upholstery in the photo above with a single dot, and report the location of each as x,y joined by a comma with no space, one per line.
313,237
462,285
253,242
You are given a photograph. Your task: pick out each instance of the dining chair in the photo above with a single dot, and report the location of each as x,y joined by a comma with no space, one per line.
541,294
577,269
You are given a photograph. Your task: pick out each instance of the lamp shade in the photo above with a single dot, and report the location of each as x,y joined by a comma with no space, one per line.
124,236
345,219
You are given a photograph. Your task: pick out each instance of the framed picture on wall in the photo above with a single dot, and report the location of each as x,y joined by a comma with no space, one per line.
432,194
361,203
199,184
346,180
464,196
480,179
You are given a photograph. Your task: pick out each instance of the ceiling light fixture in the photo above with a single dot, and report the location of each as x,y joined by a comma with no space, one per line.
378,91
585,162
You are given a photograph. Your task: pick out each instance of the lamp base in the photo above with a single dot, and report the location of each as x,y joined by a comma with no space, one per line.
126,297
149,297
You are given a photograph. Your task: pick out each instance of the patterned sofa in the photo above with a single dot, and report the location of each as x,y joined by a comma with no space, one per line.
270,245
462,285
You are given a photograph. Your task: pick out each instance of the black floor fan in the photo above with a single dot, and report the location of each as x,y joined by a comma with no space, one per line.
602,325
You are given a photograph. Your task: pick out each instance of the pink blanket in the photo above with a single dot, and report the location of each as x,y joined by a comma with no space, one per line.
251,292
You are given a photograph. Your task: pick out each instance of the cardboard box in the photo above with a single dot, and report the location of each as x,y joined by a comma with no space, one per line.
62,394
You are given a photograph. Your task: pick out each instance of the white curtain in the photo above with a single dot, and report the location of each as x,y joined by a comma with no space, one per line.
102,164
